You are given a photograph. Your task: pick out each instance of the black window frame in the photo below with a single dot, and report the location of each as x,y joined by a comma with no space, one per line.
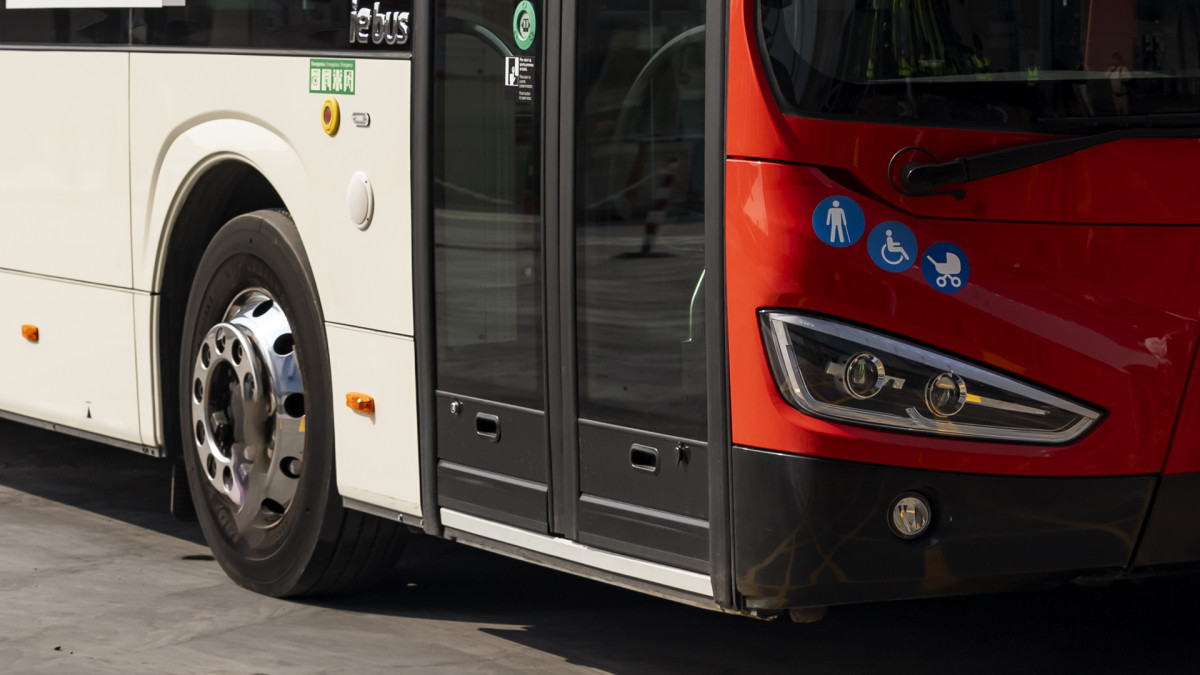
331,36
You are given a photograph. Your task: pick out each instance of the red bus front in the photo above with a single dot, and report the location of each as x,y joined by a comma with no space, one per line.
951,376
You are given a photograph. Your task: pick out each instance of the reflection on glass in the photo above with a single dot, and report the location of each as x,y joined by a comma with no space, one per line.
268,24
998,64
64,26
640,215
487,202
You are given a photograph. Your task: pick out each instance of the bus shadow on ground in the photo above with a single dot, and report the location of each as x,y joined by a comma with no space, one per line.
109,481
1147,627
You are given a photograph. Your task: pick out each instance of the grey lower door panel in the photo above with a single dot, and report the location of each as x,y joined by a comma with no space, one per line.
494,496
644,494
492,461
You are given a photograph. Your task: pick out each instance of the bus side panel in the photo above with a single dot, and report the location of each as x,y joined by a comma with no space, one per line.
144,309
183,115
64,218
376,453
80,371
64,166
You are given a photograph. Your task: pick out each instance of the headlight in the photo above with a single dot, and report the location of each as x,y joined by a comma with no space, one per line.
843,373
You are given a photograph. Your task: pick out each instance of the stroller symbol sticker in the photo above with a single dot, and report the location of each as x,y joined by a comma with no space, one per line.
892,246
839,221
945,267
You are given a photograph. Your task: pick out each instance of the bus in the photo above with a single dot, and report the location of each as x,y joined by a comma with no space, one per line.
763,306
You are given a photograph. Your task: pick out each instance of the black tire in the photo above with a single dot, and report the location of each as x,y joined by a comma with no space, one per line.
310,544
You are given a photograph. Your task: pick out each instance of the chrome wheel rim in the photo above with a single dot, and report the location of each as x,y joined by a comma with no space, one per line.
247,396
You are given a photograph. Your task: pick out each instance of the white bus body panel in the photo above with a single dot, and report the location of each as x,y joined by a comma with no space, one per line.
64,167
146,344
189,112
64,243
81,372
377,460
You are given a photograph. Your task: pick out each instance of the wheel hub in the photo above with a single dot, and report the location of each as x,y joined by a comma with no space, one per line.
248,410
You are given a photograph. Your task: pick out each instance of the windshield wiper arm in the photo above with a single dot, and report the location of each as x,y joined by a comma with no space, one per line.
918,179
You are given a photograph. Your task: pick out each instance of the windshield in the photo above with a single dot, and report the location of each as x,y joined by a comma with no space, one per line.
1022,64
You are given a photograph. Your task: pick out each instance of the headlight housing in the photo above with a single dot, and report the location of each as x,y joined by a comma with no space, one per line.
843,373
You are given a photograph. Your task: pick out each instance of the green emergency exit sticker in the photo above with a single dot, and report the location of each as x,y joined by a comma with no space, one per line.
331,76
524,24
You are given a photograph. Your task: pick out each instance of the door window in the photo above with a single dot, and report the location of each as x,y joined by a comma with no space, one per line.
639,222
487,221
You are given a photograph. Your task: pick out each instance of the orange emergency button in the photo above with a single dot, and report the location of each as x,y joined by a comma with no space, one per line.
29,332
359,402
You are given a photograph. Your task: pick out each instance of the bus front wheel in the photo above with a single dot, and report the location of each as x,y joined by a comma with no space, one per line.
257,420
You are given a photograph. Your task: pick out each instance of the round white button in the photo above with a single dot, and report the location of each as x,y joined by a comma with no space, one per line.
360,200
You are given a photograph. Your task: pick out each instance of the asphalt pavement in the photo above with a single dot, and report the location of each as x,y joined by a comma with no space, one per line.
97,577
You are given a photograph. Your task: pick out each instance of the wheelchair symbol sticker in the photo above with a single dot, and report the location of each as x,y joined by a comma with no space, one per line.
945,267
892,246
839,221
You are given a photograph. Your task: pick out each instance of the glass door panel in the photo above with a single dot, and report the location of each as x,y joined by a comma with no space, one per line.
488,265
639,278
626,334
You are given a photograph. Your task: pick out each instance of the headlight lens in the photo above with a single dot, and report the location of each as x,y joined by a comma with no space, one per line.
844,373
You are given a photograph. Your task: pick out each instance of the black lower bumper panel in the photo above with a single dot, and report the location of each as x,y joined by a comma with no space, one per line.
815,532
1172,535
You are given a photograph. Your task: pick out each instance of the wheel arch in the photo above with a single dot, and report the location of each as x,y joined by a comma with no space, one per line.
214,170
206,172
223,190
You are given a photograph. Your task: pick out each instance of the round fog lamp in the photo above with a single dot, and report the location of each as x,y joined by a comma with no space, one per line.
910,516
946,394
864,375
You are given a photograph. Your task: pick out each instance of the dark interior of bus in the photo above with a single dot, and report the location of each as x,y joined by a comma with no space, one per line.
1013,64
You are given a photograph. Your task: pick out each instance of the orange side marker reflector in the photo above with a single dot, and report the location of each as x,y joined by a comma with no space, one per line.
360,403
29,332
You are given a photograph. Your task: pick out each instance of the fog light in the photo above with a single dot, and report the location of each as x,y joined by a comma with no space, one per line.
911,516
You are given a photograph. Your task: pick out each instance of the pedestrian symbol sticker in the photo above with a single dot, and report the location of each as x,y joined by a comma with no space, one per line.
945,267
892,246
839,222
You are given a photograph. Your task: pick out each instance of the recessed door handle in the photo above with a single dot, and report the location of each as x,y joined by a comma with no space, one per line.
488,426
644,458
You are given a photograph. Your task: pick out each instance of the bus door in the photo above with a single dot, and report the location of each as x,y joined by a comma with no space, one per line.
568,271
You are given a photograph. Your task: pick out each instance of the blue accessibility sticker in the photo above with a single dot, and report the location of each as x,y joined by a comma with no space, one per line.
893,247
839,222
945,267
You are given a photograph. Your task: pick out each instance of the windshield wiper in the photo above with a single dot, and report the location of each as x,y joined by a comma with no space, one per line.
919,179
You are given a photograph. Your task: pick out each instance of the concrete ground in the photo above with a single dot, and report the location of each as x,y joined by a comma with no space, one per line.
96,577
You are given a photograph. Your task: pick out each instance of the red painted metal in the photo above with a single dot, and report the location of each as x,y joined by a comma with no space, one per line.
1083,279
